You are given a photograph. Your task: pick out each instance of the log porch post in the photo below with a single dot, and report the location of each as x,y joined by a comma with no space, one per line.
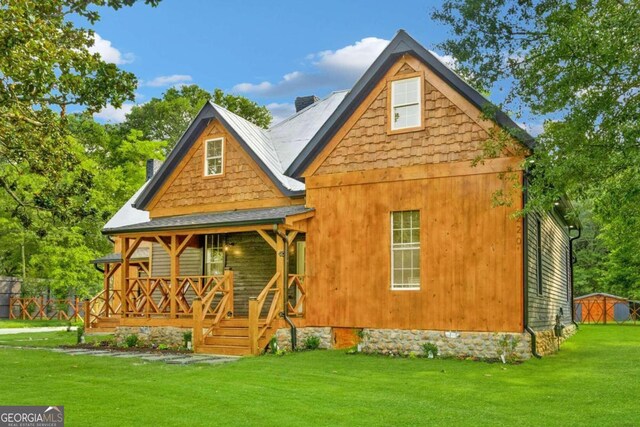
175,270
253,326
87,314
196,337
107,270
228,277
124,276
280,267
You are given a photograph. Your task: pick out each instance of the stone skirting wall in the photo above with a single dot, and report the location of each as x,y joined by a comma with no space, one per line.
147,335
483,345
547,343
283,337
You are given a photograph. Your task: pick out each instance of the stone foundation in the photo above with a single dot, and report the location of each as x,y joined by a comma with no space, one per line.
482,345
283,337
147,335
547,343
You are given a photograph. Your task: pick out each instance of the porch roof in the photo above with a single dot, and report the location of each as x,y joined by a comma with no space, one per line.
276,215
140,254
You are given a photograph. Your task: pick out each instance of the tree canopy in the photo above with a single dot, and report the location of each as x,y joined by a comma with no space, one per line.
166,118
576,64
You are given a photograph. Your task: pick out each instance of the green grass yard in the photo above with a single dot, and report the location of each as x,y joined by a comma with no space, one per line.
592,381
18,323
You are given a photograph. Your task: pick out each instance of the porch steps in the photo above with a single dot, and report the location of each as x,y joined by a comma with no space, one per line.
232,338
105,324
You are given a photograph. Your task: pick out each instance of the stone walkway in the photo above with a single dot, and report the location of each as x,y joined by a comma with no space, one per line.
172,359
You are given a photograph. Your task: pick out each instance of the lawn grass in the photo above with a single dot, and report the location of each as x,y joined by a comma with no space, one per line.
592,381
46,339
18,323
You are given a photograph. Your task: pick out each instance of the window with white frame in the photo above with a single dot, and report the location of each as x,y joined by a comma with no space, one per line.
405,250
406,105
214,157
214,255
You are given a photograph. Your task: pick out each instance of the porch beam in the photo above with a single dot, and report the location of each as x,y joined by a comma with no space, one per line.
184,244
268,239
292,236
133,247
198,231
162,243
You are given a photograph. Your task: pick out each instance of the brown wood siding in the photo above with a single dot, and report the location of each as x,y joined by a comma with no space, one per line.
190,262
189,191
555,244
471,256
449,135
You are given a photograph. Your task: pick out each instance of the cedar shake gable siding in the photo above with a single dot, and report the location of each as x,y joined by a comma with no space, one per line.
188,190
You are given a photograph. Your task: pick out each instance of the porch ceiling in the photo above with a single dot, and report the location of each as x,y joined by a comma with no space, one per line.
275,215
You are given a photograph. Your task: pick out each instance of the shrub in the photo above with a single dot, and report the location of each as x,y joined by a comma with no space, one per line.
187,336
163,347
79,334
312,342
131,340
273,345
430,348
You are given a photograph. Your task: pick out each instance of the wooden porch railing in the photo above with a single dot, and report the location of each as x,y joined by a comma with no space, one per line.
147,296
105,304
151,296
213,303
296,283
31,308
256,305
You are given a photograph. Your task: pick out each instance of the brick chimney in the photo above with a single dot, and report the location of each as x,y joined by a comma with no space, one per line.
303,102
152,167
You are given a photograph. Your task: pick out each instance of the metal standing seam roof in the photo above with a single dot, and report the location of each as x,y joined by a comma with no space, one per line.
275,215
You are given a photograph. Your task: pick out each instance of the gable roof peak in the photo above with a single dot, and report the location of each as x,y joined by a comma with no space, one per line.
401,44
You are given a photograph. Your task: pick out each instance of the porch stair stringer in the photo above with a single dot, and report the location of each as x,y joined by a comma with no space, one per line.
231,337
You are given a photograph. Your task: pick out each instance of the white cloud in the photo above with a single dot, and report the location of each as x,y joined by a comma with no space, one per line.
172,80
280,111
114,115
109,53
534,129
447,60
334,69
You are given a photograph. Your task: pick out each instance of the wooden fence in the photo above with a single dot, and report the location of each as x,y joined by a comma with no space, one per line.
41,308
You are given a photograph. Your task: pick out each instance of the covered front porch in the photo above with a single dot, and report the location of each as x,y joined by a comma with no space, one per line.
243,269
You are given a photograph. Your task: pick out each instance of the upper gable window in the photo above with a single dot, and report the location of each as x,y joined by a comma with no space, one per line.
214,157
406,104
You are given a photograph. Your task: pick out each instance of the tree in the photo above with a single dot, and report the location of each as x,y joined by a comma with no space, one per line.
577,64
46,66
166,118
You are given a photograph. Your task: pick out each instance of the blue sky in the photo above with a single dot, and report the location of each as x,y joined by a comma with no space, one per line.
270,52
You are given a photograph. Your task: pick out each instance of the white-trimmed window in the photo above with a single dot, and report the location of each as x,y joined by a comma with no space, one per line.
214,157
214,255
406,105
405,250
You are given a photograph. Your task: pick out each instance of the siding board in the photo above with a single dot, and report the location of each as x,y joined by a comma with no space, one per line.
555,243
